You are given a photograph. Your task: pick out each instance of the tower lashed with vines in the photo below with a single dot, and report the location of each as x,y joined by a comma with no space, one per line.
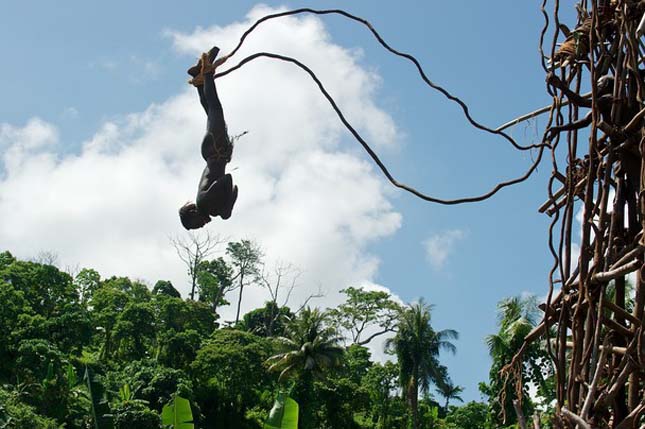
594,314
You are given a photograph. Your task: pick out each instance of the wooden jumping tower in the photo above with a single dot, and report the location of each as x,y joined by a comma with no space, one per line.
594,314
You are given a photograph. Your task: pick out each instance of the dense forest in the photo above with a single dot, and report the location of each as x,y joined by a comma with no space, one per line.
78,350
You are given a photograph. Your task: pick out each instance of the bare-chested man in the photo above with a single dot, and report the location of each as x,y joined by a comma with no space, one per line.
216,194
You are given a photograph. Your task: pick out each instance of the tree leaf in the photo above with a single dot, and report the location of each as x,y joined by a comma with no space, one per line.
284,414
72,380
178,414
100,410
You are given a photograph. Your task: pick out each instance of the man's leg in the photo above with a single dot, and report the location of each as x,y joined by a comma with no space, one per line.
216,124
228,209
197,80
202,98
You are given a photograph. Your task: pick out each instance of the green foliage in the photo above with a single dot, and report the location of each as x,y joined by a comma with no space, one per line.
87,281
164,287
517,316
230,376
41,302
134,330
284,414
177,414
448,390
214,281
153,383
135,415
365,309
380,381
471,415
100,411
417,346
45,288
178,349
6,258
178,315
267,321
310,350
310,345
246,257
140,349
13,312
15,414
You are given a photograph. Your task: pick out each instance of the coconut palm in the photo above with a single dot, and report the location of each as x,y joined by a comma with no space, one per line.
517,316
311,347
417,346
448,390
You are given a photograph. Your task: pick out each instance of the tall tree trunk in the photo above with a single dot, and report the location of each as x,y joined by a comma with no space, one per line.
413,399
304,391
239,300
239,303
194,283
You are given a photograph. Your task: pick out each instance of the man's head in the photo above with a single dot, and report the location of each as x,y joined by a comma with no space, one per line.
191,218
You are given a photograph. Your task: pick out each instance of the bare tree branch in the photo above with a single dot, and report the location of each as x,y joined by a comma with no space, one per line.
194,248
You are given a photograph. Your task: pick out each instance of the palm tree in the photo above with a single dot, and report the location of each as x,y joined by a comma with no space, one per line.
311,348
417,346
517,316
449,391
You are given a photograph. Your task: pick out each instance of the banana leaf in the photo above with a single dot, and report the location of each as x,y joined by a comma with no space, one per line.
177,414
284,414
100,410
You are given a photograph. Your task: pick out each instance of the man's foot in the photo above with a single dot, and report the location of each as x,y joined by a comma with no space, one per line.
231,202
207,65
197,80
212,54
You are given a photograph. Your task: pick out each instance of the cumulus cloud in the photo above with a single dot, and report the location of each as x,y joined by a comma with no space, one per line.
441,245
306,195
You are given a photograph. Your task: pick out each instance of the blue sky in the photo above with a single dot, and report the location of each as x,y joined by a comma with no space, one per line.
78,65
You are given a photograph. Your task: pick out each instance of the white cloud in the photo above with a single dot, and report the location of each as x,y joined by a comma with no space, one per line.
440,246
305,194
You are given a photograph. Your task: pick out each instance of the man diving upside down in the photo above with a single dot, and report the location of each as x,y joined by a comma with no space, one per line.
216,194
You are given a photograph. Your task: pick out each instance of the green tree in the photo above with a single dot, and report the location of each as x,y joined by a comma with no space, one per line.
165,287
150,382
471,415
45,288
311,347
178,315
230,377
246,257
341,397
214,281
108,303
14,414
135,415
381,381
178,349
417,346
517,316
86,282
366,311
6,258
134,331
40,366
14,305
449,390
267,321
